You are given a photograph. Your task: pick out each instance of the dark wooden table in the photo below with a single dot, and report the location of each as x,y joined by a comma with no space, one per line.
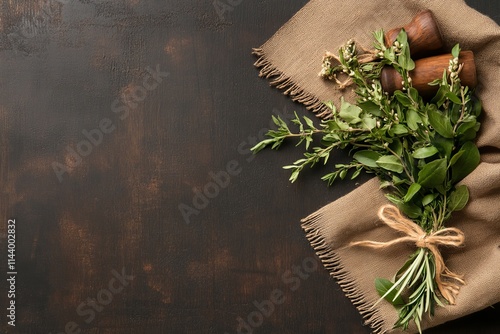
124,136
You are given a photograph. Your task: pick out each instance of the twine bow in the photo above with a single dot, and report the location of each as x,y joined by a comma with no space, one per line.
447,282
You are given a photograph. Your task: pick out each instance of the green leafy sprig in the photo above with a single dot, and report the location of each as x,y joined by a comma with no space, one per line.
419,149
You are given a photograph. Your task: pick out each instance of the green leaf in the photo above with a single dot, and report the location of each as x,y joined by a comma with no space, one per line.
383,285
411,210
469,134
455,111
294,175
391,163
367,158
455,158
330,178
464,127
397,181
412,119
453,98
367,67
458,199
402,98
397,146
369,123
466,163
444,145
356,173
289,167
402,37
331,106
433,174
428,199
441,93
389,54
412,191
394,199
441,123
455,52
425,152
399,129
281,123
435,82
309,122
329,124
379,36
477,108
263,144
385,184
371,108
342,125
308,140
349,112
413,92
405,266
404,59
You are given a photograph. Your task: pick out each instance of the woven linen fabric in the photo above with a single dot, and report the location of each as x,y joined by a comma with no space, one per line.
291,60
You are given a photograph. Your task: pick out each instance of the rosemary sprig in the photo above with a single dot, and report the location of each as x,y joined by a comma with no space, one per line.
419,150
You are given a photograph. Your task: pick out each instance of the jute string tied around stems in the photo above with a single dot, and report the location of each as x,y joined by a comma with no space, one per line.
450,236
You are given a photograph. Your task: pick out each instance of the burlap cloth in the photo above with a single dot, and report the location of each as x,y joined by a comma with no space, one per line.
291,61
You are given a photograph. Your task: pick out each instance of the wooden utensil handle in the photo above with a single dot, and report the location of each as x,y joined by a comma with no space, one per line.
430,69
423,33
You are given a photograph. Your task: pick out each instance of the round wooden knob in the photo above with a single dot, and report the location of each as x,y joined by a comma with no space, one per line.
423,33
429,69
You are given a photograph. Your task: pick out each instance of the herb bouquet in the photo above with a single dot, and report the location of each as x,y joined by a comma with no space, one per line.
420,150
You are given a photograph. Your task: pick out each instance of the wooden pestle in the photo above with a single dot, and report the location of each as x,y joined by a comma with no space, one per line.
423,33
429,69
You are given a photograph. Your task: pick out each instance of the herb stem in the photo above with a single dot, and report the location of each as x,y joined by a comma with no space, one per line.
405,168
301,134
460,119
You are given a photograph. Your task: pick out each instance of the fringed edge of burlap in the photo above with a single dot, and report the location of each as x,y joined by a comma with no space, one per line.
333,263
283,82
